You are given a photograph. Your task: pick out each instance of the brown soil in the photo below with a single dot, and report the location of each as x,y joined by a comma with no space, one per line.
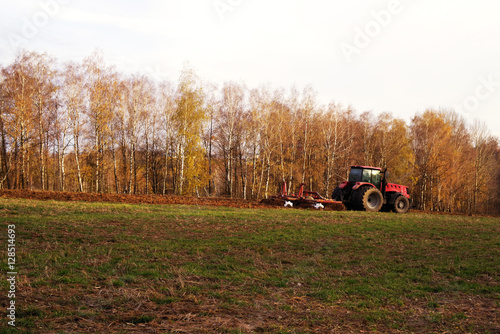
152,199
132,199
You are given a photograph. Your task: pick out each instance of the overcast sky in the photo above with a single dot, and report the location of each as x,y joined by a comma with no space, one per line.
381,55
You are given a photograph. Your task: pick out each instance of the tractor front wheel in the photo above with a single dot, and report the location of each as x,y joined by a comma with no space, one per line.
401,204
369,199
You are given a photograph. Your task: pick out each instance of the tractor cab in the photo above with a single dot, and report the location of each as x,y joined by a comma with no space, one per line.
366,174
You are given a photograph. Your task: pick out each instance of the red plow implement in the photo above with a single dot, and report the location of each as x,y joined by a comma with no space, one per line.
303,199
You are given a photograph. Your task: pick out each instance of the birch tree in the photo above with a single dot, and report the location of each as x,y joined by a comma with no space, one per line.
188,119
101,89
45,89
19,114
140,103
229,119
74,102
333,139
167,106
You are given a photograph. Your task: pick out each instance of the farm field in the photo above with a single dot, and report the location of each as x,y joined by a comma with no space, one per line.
144,268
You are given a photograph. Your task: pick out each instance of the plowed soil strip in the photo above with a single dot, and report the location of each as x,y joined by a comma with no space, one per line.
132,199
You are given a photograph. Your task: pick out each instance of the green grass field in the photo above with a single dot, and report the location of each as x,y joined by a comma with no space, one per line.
119,268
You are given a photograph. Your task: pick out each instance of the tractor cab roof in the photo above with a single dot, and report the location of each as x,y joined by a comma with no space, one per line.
367,167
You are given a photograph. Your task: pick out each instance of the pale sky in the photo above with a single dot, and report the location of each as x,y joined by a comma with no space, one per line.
381,55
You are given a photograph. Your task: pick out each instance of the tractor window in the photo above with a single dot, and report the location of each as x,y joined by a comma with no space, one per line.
355,175
376,178
367,175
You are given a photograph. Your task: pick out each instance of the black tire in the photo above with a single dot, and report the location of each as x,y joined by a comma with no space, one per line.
337,194
356,199
401,204
369,199
348,206
352,204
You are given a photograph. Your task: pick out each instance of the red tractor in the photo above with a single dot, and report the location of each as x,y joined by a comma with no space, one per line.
368,190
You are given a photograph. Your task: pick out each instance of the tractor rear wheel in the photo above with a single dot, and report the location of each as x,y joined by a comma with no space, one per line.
401,204
369,199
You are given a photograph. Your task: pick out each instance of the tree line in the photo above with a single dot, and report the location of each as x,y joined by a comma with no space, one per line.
85,127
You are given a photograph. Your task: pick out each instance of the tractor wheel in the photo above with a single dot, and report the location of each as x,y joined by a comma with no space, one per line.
369,199
336,194
401,204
